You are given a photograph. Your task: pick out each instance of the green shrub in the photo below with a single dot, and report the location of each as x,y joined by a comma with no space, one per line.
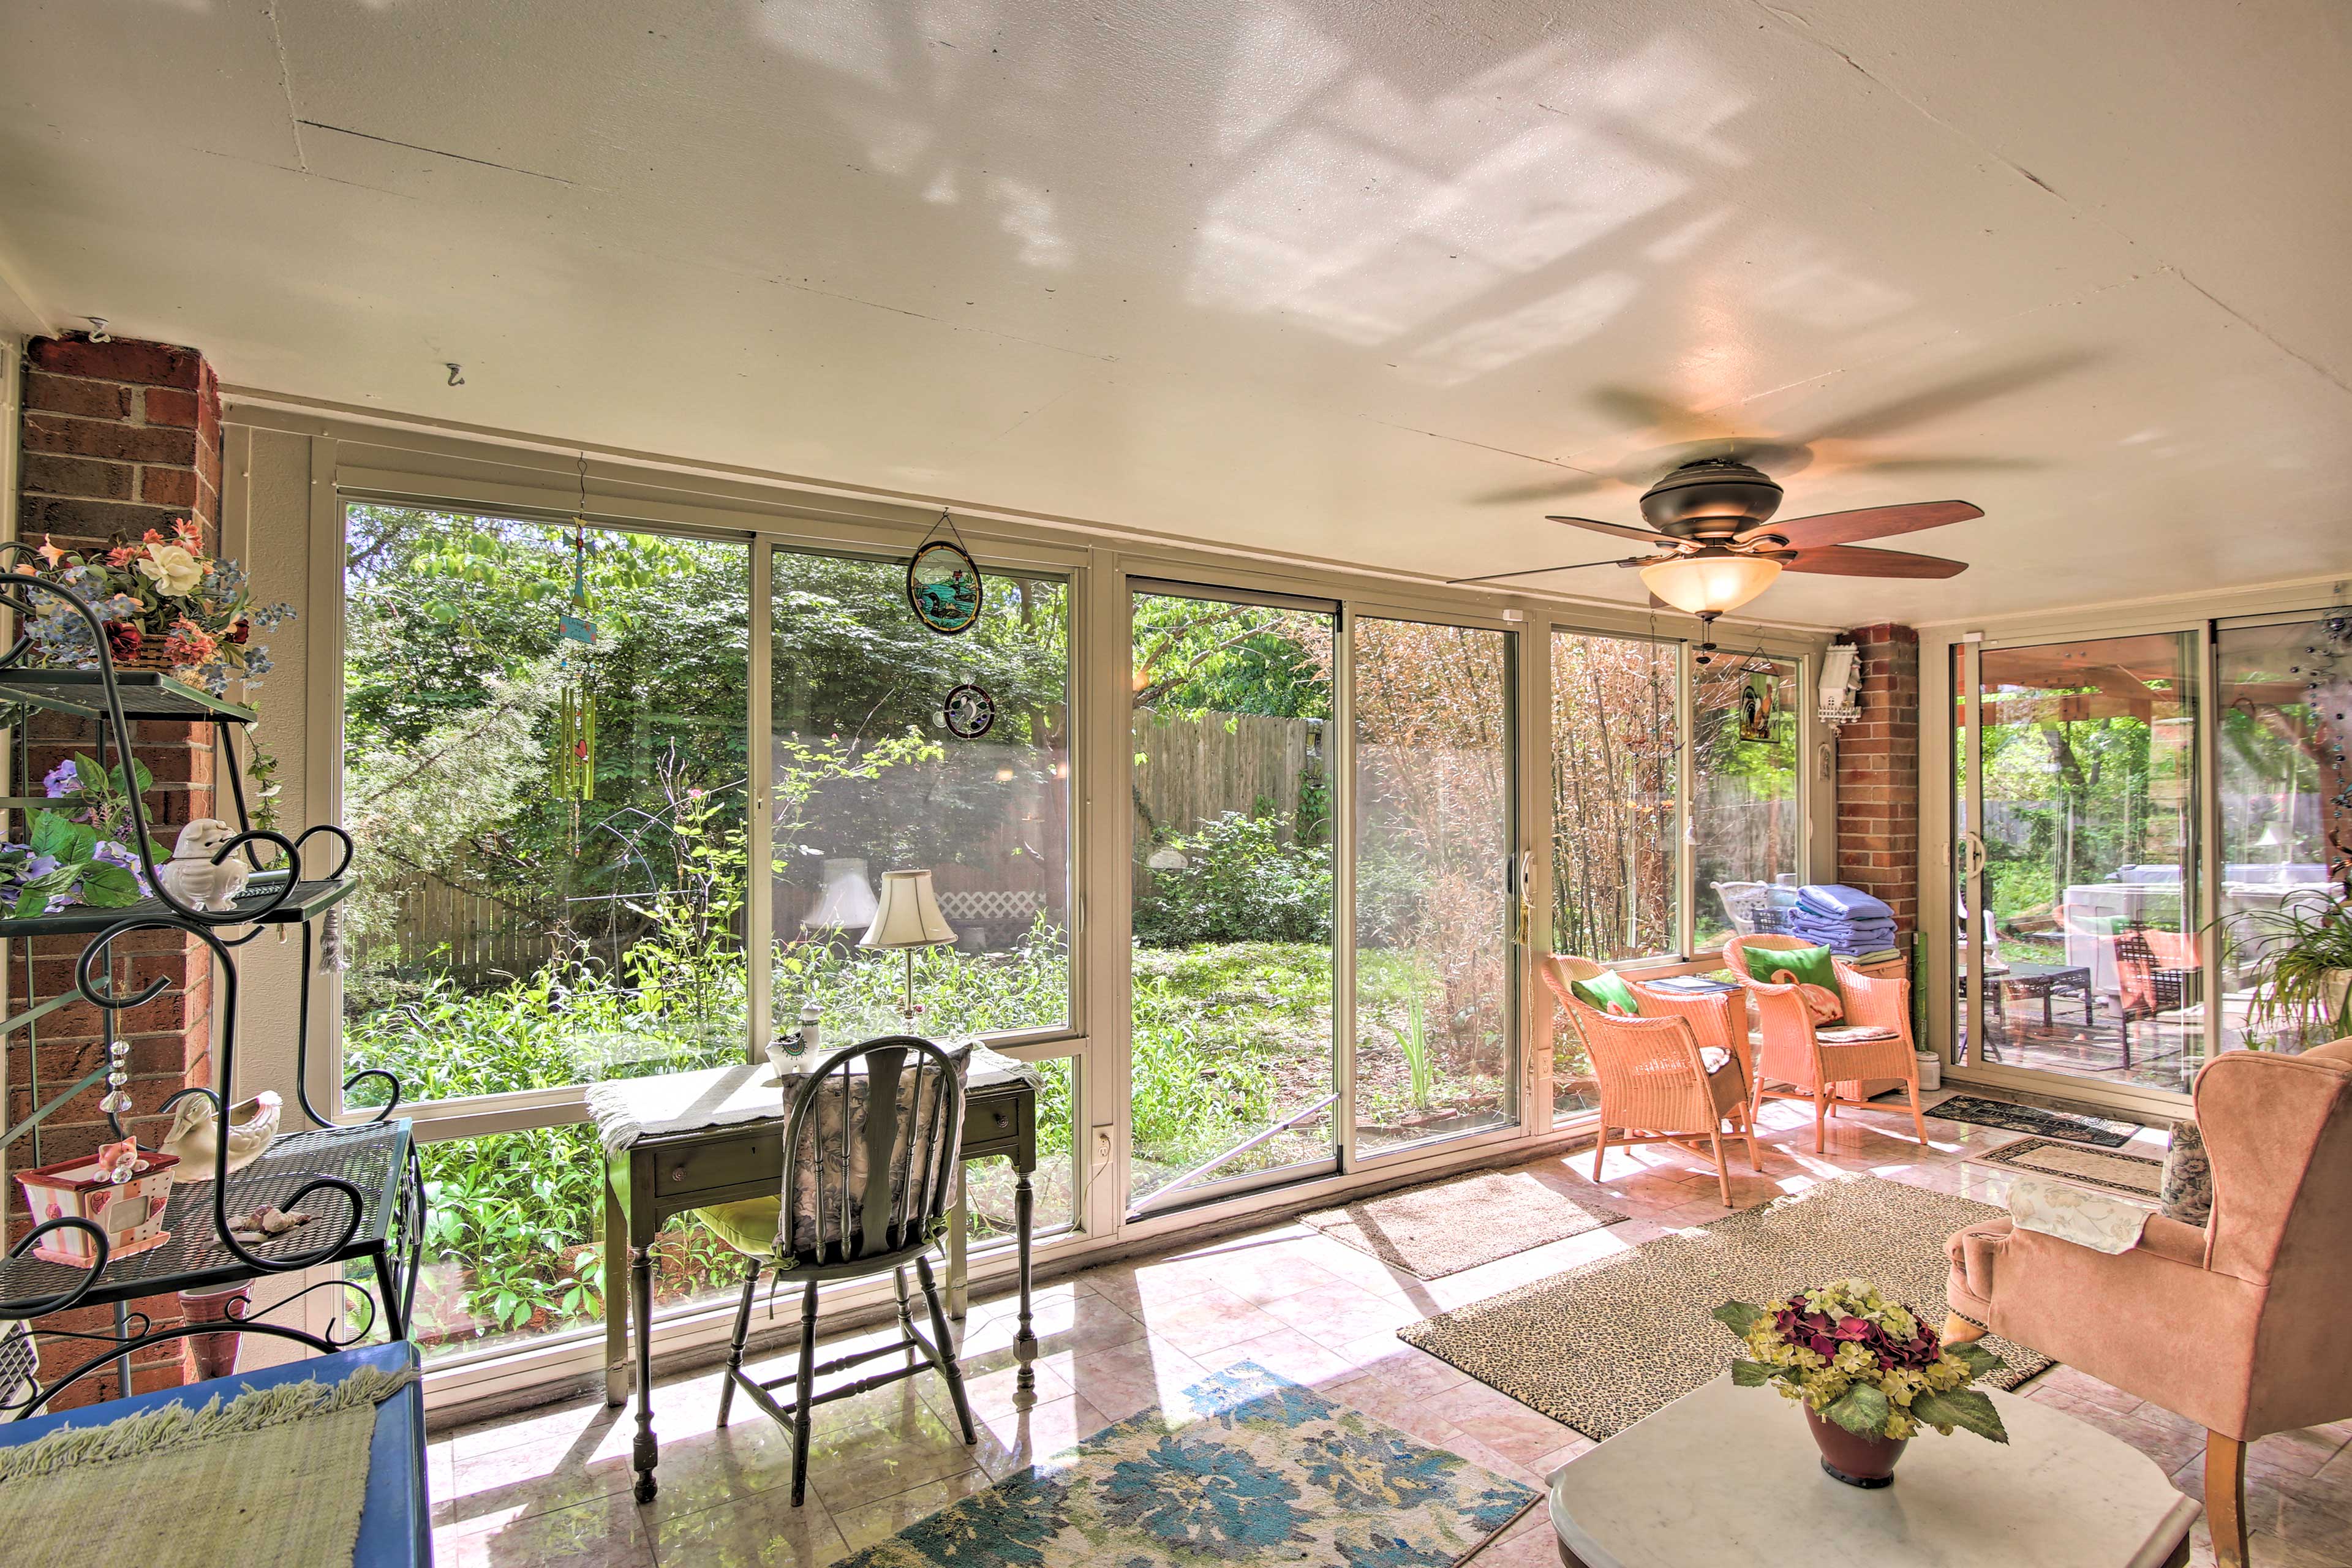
1241,882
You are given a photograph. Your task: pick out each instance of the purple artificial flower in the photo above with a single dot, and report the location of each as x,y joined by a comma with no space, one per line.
113,854
63,779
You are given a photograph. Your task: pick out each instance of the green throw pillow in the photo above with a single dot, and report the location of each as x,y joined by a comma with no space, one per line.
1810,965
1606,988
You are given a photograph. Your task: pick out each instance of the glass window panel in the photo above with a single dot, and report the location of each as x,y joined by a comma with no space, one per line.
1745,824
1613,817
553,832
2284,801
868,778
1436,1051
2088,763
989,1184
1232,1066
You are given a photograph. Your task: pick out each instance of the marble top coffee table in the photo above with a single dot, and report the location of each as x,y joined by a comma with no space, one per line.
1729,1477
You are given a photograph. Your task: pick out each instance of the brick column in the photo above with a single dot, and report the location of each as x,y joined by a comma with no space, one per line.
118,438
1878,775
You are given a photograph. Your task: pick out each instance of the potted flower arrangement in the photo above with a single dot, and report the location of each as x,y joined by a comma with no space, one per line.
165,605
1868,1374
79,851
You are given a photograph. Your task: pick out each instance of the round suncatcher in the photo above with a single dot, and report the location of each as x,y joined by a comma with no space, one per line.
969,712
943,588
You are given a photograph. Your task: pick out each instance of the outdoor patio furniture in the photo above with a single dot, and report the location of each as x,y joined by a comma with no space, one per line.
2157,971
869,1169
1659,1083
2045,981
2233,1326
1793,1052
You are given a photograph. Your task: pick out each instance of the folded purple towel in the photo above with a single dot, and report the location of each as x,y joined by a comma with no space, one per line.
1838,901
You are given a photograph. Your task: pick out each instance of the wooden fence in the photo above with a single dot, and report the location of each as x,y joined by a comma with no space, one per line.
476,937
1190,770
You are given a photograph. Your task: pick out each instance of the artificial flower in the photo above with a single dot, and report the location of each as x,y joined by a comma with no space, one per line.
172,568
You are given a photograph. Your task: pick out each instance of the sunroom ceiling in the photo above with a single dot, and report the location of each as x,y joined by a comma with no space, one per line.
1375,284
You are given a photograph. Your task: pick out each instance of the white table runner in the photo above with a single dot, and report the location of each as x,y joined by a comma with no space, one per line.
625,1110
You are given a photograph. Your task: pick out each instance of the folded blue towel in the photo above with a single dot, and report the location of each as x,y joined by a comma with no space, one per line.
1836,899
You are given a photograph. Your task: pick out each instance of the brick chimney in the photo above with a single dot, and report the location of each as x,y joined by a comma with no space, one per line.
118,438
1878,775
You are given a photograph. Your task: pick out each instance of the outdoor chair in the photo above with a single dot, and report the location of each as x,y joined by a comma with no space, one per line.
1670,1074
869,1168
2237,1326
2157,973
1747,905
1792,1050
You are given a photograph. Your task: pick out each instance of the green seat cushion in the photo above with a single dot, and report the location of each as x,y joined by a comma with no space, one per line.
1606,989
747,1227
1810,965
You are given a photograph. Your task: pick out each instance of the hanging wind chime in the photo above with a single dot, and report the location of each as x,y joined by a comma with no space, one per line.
575,720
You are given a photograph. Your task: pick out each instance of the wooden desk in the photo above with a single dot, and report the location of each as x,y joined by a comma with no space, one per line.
673,1166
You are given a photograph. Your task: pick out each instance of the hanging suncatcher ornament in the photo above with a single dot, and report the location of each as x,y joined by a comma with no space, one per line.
944,586
1755,709
575,720
969,712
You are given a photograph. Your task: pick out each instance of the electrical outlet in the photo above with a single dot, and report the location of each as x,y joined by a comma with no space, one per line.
1102,1147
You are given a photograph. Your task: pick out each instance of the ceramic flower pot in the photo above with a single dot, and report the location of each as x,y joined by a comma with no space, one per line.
215,1355
1857,1461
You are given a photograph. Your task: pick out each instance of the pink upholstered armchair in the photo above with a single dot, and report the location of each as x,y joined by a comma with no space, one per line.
2238,1326
1669,1076
1794,1053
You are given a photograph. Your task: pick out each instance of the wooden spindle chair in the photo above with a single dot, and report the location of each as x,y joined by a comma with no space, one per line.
869,1174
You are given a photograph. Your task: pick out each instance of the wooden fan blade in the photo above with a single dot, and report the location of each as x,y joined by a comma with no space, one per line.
1539,571
1869,522
1853,561
1622,531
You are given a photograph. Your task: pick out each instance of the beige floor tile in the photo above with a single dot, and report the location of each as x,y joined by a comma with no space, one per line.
1014,1443
763,1531
875,1522
1335,1313
1211,1319
607,1532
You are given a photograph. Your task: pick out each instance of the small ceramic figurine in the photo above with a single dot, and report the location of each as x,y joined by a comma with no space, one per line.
118,1163
189,875
252,1123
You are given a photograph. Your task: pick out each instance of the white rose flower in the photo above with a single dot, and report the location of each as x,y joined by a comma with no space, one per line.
171,568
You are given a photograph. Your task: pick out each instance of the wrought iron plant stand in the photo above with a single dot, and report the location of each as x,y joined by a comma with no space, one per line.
364,1177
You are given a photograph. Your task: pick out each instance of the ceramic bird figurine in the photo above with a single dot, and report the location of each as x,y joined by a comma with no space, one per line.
189,875
252,1123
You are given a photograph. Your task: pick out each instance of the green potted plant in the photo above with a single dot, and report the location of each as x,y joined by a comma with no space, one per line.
2297,960
1868,1374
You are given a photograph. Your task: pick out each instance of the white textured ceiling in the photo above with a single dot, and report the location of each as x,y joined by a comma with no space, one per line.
1376,283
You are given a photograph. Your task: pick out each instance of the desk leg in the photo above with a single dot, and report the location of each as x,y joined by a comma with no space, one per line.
1024,1214
645,1455
959,1295
617,1305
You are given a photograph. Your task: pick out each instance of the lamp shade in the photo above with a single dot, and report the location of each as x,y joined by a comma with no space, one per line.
1709,585
844,902
909,914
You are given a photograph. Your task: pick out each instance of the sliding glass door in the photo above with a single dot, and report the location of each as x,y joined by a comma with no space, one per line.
1235,1070
1436,878
2077,949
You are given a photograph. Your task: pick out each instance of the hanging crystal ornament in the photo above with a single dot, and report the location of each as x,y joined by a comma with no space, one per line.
117,1099
575,720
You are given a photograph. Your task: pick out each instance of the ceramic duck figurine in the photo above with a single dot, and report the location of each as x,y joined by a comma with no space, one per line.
189,875
252,1123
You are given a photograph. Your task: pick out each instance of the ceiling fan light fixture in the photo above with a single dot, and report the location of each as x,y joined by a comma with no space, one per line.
1709,585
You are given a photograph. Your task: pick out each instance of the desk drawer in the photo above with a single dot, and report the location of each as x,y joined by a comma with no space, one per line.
994,1123
719,1163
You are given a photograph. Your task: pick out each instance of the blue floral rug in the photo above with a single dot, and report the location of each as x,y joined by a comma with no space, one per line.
1244,1467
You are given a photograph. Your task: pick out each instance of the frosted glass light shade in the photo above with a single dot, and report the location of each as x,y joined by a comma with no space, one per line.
1709,585
909,914
846,902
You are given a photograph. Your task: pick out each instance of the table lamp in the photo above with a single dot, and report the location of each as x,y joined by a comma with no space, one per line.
909,918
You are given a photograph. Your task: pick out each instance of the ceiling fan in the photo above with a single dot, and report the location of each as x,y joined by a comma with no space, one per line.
1714,545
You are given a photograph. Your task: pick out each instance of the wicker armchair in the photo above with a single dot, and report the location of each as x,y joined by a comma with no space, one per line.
1793,1053
1670,1076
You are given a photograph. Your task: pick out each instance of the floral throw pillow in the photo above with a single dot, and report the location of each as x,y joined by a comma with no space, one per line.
2186,1193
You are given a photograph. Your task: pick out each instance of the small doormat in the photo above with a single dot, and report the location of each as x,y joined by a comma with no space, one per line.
1245,1470
2134,1175
1603,1346
1447,1226
2035,1119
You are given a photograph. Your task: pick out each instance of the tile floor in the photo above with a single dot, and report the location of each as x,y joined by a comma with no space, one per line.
551,1486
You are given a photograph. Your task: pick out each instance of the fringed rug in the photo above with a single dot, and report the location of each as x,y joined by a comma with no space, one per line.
1244,1468
2134,1175
1604,1344
1446,1228
275,1474
2000,1113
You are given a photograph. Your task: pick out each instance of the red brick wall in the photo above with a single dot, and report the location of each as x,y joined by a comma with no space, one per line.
1878,775
118,438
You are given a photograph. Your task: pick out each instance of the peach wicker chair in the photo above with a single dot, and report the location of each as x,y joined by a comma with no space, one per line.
2238,1326
1673,1075
1791,1052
